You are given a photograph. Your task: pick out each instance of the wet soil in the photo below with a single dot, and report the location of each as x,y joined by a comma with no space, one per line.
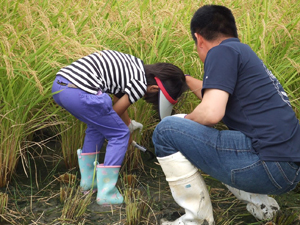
35,198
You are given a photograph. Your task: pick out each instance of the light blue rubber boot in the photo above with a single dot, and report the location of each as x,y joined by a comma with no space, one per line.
108,193
87,169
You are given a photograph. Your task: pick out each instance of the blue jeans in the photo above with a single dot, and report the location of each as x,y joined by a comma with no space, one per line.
102,121
225,155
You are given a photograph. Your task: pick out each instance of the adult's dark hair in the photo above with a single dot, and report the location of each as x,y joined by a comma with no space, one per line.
212,22
170,75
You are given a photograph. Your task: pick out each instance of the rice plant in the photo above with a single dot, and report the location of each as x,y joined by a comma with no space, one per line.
75,205
273,35
22,114
71,138
37,38
142,113
286,218
23,97
3,204
138,205
66,180
74,201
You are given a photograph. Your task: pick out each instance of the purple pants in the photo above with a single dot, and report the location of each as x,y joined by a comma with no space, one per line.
102,121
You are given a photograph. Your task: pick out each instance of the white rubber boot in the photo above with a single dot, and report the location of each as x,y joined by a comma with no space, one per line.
260,206
188,190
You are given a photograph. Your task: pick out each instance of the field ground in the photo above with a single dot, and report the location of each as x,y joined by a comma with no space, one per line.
43,205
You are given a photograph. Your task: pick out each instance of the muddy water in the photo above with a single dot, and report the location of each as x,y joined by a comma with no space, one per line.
29,204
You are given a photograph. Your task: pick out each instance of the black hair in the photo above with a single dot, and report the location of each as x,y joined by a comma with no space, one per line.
170,75
213,21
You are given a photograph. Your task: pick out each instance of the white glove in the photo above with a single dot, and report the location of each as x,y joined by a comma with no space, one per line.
180,115
135,125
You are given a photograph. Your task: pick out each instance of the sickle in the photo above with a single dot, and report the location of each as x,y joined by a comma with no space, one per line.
143,149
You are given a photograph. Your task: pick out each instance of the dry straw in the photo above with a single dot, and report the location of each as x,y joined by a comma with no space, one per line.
3,204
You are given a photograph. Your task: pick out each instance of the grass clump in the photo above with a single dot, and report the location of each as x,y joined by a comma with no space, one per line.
139,205
75,204
3,204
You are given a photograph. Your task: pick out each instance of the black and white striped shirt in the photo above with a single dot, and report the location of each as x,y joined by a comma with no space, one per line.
111,71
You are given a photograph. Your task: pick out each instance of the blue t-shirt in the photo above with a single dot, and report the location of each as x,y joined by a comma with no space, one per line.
257,105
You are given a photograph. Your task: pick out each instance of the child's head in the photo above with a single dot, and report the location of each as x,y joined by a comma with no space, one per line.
213,21
170,80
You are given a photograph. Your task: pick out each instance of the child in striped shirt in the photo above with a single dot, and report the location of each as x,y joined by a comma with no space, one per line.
83,89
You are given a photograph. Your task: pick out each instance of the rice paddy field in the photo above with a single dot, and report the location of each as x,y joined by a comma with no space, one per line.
39,173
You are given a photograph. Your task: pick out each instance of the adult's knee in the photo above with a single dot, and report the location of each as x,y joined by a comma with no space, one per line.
165,126
162,125
162,137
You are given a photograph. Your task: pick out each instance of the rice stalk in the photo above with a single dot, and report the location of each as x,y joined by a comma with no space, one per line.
286,218
144,114
75,205
3,204
71,137
138,206
21,114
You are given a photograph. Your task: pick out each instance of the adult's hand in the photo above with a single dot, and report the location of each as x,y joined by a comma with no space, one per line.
180,115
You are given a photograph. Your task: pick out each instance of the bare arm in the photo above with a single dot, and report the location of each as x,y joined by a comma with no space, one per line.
195,85
120,106
212,108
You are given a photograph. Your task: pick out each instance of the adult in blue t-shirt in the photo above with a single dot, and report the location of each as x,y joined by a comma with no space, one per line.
258,155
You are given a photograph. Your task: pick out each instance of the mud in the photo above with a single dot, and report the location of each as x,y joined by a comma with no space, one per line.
35,198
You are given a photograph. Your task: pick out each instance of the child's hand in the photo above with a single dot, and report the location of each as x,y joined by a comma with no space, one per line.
135,125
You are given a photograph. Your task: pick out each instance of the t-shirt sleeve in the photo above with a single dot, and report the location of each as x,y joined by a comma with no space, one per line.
135,90
221,69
